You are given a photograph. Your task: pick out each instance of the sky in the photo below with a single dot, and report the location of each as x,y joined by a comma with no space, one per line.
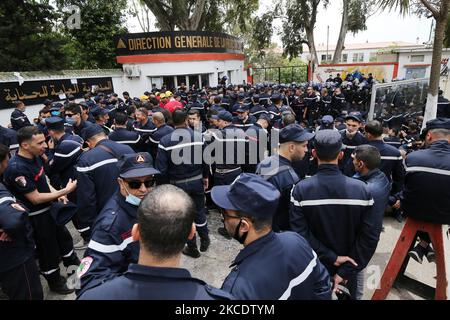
381,27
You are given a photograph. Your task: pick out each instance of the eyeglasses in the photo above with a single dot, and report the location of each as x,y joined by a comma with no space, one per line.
70,115
226,216
138,184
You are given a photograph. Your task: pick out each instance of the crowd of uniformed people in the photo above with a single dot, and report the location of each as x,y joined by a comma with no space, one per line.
301,178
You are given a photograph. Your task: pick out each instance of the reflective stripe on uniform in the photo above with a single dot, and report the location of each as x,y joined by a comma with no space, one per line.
428,170
300,278
323,202
62,155
14,146
4,199
104,248
97,165
391,158
181,145
130,141
145,130
35,213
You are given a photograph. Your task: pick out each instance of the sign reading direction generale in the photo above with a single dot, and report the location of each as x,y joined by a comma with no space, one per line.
177,42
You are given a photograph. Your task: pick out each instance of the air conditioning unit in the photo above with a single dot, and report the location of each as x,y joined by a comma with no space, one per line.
132,71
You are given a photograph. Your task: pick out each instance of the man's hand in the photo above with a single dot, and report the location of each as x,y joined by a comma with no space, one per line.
70,186
205,183
343,259
4,237
63,199
396,205
337,280
51,144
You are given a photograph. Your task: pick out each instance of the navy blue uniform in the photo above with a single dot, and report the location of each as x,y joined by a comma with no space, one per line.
312,107
24,176
238,123
97,174
279,172
111,248
187,147
391,164
127,137
257,110
393,141
258,144
8,138
144,130
350,144
426,194
333,212
155,283
19,275
155,137
19,120
274,113
83,124
443,107
289,269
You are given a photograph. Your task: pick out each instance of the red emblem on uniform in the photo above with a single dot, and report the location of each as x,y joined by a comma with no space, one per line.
21,181
140,158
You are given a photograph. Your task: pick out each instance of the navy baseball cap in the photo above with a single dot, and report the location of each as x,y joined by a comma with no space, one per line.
63,213
136,165
354,116
98,111
328,142
276,97
91,131
54,123
242,108
250,194
295,132
225,116
264,116
438,123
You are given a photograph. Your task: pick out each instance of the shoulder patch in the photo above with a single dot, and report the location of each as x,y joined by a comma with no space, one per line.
21,181
84,266
218,293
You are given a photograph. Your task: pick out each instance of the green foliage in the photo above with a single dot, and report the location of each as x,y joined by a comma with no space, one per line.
357,15
27,37
93,45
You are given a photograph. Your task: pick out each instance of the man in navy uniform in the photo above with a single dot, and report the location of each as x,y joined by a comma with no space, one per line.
258,143
180,161
101,116
274,110
391,158
426,194
18,117
243,119
143,124
289,268
333,212
74,118
122,135
351,138
96,174
278,170
162,129
111,248
26,179
8,138
19,274
165,222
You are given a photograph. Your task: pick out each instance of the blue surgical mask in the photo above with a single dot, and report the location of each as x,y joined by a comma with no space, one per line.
131,199
70,121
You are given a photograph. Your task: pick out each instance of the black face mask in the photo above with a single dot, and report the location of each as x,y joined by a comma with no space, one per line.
236,236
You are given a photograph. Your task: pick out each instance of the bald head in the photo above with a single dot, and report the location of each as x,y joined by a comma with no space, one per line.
165,218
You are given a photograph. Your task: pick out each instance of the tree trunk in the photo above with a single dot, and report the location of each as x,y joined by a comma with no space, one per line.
312,46
342,33
161,15
432,97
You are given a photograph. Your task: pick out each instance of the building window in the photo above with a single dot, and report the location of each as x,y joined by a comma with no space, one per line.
373,57
361,57
344,57
324,58
418,58
355,57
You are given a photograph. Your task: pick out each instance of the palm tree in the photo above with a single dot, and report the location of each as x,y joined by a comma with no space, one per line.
439,10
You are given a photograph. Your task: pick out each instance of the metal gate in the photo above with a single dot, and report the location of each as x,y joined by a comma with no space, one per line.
279,75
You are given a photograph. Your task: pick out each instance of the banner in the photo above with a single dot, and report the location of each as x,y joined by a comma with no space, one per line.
177,42
36,92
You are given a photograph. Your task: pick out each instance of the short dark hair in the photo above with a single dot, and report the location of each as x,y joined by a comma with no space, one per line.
4,152
368,154
217,99
44,110
165,218
121,118
374,127
74,108
143,110
131,109
179,117
288,119
258,223
17,103
27,133
194,112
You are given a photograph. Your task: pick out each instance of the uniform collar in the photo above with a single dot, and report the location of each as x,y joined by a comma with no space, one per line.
439,144
158,272
253,248
284,160
369,175
328,169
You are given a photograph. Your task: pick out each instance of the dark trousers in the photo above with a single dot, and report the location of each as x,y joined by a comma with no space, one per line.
22,282
65,243
195,190
223,179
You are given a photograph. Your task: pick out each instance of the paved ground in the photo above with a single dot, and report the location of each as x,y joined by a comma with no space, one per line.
213,265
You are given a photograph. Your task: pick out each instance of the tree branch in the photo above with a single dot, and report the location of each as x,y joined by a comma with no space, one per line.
197,14
432,9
